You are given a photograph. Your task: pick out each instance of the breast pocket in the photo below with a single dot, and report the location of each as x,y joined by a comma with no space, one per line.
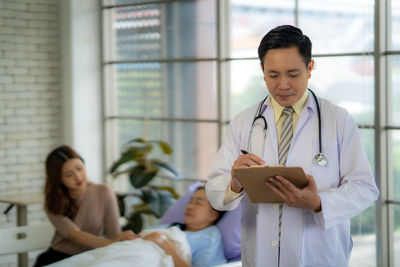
326,176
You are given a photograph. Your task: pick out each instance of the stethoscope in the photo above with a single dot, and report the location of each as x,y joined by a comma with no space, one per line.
320,158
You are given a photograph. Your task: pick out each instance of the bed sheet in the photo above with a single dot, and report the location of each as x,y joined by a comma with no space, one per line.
231,264
137,253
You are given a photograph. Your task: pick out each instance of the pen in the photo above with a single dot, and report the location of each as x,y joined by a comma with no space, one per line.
244,151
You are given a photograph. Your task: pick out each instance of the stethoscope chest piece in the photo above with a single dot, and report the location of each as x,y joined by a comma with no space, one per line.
320,159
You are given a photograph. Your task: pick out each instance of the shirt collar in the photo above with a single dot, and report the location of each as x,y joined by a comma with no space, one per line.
297,107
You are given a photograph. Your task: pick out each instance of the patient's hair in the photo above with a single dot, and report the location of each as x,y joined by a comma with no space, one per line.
57,199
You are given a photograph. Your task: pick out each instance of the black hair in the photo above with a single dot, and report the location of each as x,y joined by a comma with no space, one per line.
285,36
57,199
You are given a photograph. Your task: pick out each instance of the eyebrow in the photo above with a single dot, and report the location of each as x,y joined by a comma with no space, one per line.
198,198
291,70
75,166
272,71
294,70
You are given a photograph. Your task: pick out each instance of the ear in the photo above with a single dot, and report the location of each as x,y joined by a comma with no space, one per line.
262,67
310,67
213,216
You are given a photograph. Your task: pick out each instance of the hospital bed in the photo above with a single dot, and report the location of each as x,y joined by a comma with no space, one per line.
133,253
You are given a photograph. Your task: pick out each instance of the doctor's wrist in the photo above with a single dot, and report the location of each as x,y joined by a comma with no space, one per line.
318,207
318,210
235,188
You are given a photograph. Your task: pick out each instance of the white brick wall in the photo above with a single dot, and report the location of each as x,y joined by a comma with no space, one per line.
30,100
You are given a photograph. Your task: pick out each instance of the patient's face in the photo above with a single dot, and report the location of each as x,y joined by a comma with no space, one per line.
199,214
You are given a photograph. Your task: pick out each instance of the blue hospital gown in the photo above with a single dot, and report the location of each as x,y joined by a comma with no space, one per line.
206,247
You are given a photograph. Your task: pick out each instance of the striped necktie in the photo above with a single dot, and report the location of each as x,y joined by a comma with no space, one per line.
286,135
284,145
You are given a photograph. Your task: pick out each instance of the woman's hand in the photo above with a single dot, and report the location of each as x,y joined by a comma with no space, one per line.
93,241
125,235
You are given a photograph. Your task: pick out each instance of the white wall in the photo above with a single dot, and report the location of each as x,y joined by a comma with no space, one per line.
50,93
30,99
81,82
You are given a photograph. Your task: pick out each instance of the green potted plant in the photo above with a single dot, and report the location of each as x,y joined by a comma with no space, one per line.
135,162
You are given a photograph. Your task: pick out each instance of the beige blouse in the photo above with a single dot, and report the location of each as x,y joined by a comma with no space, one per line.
98,211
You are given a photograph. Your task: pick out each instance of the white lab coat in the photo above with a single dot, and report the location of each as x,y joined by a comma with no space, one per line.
345,184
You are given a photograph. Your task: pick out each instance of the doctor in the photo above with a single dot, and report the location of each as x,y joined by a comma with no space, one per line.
312,226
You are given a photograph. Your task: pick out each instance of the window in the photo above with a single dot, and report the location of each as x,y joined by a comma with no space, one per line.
179,70
162,60
393,109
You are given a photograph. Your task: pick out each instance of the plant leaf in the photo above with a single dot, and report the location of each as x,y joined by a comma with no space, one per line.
121,204
118,173
167,166
148,148
130,154
135,222
140,177
158,201
137,140
170,189
142,207
165,148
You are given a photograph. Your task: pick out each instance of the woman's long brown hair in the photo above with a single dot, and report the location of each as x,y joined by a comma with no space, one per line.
57,199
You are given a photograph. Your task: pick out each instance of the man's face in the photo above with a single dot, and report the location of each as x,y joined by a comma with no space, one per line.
286,75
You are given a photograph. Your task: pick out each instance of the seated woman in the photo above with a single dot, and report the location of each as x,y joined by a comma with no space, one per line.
79,210
196,243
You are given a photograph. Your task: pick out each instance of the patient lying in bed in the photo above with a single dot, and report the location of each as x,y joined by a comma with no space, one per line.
196,243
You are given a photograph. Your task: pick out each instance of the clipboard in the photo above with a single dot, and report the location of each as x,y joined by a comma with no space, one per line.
253,181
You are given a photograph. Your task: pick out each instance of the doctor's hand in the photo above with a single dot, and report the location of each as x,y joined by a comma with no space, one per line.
294,197
245,160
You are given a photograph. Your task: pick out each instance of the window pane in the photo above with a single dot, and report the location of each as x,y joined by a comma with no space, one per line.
163,31
394,146
396,234
364,239
368,142
122,2
194,144
251,20
363,228
173,90
347,82
247,85
338,26
395,90
395,37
